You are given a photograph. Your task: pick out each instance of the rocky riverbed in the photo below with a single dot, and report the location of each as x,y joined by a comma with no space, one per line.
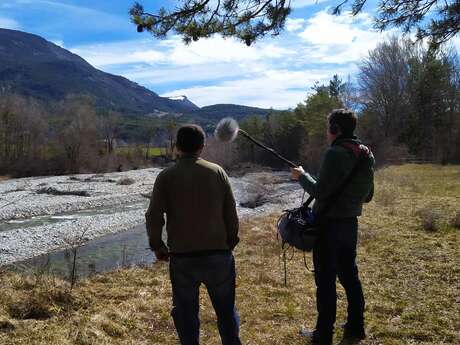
43,214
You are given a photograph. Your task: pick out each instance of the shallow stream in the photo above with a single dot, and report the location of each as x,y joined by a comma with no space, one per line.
130,246
66,216
99,255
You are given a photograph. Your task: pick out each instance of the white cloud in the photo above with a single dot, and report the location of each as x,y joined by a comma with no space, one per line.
151,76
238,92
294,24
276,72
218,49
456,43
280,89
125,52
174,52
341,39
59,43
7,23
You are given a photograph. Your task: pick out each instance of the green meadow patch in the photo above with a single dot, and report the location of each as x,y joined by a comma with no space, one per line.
144,151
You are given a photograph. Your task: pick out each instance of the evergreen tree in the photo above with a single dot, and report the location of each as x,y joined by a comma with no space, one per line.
249,20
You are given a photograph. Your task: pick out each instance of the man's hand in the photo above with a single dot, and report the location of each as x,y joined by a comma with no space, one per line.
296,172
162,254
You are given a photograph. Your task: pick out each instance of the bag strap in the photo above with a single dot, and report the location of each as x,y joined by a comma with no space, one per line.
308,202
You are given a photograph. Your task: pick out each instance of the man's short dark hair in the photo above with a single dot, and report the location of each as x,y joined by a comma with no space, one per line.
343,119
190,138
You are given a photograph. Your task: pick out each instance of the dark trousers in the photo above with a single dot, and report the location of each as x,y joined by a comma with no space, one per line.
217,273
335,255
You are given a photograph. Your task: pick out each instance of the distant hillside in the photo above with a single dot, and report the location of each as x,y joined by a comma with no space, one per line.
218,111
32,66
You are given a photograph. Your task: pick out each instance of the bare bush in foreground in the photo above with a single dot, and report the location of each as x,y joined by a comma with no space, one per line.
430,218
455,222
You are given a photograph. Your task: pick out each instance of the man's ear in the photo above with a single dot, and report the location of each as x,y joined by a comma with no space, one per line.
200,150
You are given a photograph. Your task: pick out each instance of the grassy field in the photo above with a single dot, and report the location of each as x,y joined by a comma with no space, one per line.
408,255
152,151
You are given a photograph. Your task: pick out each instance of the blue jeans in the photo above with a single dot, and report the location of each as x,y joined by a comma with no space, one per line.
335,255
217,273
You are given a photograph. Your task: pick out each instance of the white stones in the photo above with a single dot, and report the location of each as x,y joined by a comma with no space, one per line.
125,202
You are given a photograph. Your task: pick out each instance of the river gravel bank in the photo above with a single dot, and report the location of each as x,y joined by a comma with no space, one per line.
34,223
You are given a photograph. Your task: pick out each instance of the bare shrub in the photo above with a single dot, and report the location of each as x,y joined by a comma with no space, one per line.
6,326
385,196
455,221
32,308
37,296
388,152
71,255
430,218
224,154
367,233
126,181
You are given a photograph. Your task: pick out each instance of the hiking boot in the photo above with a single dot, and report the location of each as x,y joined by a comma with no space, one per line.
315,338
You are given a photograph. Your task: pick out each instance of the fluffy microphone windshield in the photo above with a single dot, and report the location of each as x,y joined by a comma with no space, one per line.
227,129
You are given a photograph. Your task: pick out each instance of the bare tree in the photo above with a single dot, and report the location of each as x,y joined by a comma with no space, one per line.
23,133
171,127
77,131
152,132
383,80
108,127
225,154
410,96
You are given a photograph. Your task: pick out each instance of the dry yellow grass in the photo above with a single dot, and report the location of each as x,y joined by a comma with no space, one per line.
410,276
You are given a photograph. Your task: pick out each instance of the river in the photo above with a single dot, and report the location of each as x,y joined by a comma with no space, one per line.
37,230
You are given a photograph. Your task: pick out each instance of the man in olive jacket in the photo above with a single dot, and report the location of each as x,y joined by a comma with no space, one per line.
202,230
335,251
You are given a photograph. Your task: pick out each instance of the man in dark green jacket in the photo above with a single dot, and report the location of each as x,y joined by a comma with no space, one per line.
335,251
202,229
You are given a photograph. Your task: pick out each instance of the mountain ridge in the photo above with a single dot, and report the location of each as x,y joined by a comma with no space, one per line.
32,66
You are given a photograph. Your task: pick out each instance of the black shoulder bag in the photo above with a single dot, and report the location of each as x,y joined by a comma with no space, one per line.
299,227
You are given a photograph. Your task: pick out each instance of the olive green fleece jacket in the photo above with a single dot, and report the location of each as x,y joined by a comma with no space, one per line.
337,164
197,200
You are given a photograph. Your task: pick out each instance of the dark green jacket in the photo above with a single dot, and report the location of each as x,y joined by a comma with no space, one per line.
337,164
197,199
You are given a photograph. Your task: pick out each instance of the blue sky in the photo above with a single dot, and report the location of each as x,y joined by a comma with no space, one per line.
276,72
